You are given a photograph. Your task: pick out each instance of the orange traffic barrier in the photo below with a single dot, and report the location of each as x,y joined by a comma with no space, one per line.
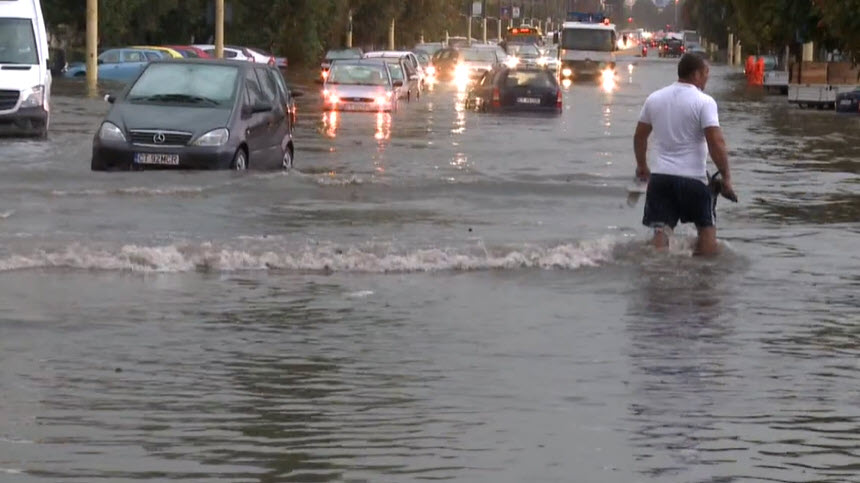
759,72
749,69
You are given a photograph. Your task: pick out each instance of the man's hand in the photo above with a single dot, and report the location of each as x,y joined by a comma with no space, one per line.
643,173
728,191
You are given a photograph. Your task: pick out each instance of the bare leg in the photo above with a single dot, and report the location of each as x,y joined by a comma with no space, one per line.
661,238
706,244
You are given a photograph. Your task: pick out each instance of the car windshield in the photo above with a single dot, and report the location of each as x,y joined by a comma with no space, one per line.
423,58
478,55
343,54
529,78
523,50
197,84
17,42
587,39
358,74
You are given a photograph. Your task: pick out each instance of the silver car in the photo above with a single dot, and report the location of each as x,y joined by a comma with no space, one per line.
360,85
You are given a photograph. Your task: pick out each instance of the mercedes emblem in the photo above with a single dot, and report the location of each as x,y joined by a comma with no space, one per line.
158,138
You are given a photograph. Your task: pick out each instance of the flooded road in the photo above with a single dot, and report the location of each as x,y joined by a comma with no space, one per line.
434,294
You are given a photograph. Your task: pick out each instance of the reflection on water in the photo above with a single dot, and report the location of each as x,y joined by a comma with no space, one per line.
608,81
330,122
383,126
566,83
460,113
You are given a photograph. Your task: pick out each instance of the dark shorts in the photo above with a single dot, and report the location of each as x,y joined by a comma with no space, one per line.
671,198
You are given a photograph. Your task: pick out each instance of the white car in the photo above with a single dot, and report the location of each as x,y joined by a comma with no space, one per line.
230,52
25,81
409,57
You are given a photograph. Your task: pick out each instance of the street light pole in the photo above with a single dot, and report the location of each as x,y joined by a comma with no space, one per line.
219,29
676,17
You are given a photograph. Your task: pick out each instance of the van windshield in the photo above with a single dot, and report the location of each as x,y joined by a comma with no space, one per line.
17,42
587,39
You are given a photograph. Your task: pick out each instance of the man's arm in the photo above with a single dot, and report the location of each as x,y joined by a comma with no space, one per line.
640,148
720,155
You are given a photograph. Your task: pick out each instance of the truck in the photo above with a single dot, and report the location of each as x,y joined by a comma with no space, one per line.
587,47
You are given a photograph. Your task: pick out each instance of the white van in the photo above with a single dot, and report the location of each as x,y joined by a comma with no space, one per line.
25,79
587,49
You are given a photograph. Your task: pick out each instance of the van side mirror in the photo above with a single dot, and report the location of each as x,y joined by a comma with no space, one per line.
110,98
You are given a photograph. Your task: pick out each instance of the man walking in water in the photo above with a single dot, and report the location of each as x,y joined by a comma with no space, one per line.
686,128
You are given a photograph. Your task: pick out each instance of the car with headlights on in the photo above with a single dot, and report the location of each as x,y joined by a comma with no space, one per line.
550,59
338,54
525,55
518,89
197,114
360,85
464,65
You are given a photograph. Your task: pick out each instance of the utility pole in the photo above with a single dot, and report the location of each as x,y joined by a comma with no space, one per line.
391,35
484,21
92,47
349,31
219,29
675,26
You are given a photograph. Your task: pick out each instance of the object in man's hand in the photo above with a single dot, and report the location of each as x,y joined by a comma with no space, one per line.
715,184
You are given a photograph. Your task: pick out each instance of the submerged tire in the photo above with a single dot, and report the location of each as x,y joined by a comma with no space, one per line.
240,161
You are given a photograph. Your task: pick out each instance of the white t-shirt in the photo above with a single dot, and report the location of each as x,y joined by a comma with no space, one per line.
678,115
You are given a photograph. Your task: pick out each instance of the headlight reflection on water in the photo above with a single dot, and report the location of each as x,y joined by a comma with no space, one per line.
607,80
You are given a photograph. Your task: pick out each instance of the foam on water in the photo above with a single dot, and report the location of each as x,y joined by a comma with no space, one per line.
310,257
132,191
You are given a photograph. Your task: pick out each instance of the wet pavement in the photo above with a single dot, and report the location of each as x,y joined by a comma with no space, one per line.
433,294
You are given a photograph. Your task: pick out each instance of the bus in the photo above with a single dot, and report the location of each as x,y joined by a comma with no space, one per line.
524,34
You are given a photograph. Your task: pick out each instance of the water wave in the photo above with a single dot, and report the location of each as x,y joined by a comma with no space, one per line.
132,191
311,257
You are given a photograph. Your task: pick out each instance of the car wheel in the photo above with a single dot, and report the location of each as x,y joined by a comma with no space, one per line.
240,161
287,162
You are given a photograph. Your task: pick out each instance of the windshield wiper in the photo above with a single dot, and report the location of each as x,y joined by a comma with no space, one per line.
176,98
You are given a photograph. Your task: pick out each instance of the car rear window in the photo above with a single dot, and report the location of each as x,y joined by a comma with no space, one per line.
529,78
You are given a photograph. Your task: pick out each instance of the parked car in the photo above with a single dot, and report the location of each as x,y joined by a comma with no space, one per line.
198,114
170,53
411,60
848,101
360,85
190,52
516,89
120,65
25,76
338,54
230,52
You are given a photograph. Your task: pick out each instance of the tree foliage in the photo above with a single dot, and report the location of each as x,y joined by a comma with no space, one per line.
775,24
300,29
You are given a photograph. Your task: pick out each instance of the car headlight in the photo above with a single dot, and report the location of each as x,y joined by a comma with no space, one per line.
110,132
431,70
34,97
215,137
567,72
542,61
512,62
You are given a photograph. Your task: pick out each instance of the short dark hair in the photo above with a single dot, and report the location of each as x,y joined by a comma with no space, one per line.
689,64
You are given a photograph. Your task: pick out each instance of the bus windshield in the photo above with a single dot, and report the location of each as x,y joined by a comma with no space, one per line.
587,39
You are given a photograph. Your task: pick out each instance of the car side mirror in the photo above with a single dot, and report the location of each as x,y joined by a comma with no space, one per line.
110,98
398,83
297,94
262,107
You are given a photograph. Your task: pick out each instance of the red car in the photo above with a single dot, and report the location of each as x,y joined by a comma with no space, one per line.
190,52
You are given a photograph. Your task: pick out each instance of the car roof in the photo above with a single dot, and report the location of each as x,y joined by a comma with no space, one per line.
388,53
376,61
225,62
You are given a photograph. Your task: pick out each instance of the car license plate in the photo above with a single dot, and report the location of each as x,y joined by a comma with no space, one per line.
353,107
846,102
157,159
528,100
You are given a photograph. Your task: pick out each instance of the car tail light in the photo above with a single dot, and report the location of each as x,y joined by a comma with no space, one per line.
683,48
497,97
558,99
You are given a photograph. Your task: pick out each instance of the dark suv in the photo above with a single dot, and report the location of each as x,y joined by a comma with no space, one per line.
672,48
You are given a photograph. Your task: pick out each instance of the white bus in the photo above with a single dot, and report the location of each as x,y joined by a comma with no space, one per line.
25,76
587,49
